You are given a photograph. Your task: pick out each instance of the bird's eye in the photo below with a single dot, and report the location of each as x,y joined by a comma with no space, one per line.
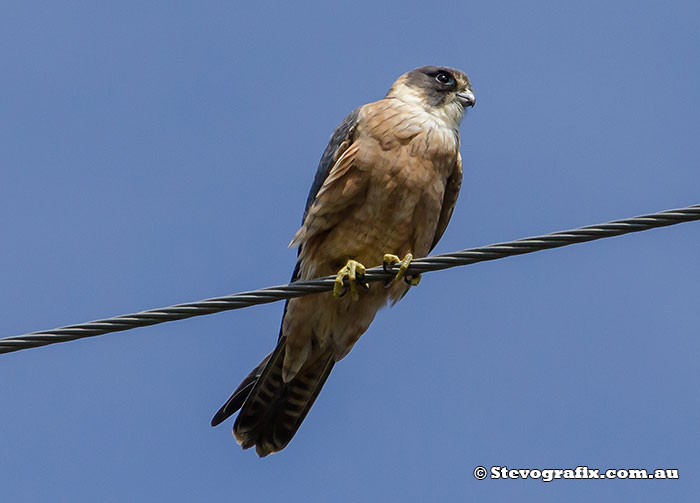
445,78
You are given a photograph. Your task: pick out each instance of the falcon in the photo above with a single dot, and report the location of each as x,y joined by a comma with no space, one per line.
383,193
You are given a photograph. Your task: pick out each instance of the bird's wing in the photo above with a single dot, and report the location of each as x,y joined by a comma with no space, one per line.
339,142
332,190
454,183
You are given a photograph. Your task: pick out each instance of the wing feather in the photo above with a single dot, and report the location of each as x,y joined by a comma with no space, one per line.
339,142
454,183
334,186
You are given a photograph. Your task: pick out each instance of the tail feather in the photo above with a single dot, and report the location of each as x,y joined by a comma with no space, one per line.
291,408
262,399
272,411
239,396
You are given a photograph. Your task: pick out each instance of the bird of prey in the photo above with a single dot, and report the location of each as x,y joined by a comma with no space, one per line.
384,192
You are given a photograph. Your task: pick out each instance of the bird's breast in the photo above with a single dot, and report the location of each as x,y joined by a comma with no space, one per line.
408,158
394,124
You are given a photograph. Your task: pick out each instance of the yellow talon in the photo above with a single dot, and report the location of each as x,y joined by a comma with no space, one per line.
391,259
354,272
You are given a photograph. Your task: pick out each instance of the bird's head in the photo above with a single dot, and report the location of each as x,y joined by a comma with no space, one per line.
442,91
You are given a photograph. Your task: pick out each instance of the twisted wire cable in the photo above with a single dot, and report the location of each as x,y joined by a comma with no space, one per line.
301,288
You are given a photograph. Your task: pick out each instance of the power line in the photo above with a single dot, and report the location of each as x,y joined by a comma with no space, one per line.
300,288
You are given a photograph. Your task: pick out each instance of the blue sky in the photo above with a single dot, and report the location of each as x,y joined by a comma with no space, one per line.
157,153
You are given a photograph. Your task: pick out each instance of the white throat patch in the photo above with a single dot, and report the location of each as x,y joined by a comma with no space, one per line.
448,115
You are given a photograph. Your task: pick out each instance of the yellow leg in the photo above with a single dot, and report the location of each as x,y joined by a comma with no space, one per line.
390,260
354,272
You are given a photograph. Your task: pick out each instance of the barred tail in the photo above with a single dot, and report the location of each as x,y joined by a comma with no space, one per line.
272,411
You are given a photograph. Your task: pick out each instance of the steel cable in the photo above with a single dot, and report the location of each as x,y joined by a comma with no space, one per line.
300,288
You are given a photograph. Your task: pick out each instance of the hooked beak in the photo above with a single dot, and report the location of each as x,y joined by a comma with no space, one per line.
466,98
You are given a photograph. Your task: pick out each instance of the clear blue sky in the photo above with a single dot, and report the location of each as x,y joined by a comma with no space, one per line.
156,153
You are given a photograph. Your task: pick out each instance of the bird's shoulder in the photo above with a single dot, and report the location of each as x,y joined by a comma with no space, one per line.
338,143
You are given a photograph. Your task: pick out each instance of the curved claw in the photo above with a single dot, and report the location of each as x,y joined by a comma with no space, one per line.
354,272
391,259
412,280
